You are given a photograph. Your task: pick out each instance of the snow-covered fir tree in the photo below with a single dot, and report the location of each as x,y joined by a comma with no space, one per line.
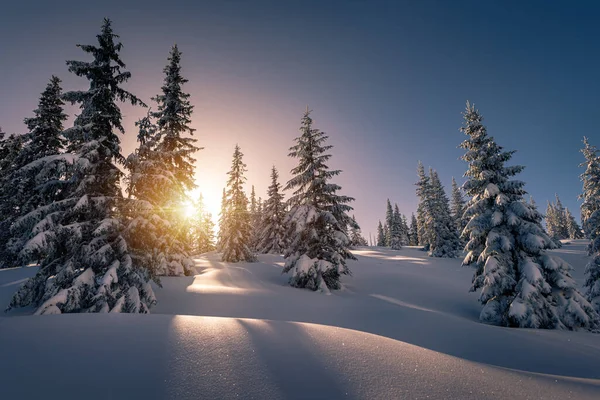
395,232
590,218
255,220
444,235
222,215
404,230
573,228
10,149
389,223
236,228
457,207
424,230
356,237
38,170
591,187
381,239
87,266
413,236
149,221
562,224
522,285
318,244
272,235
176,146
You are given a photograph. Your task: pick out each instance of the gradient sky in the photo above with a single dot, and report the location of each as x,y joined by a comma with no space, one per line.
387,80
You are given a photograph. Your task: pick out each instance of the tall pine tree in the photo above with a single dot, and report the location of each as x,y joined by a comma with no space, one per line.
380,235
457,207
87,265
444,235
236,228
272,235
590,218
38,178
521,284
318,220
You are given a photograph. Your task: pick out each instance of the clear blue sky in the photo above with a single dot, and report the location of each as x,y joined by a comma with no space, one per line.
387,80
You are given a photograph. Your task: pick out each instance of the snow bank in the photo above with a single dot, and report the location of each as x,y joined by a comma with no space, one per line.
177,357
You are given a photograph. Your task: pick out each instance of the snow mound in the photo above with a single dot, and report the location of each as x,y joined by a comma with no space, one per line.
186,357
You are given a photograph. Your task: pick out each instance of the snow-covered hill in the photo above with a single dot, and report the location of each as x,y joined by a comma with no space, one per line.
401,309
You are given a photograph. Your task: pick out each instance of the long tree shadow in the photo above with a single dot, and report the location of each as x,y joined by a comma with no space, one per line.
304,377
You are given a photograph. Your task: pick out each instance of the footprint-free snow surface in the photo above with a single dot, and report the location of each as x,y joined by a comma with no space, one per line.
404,326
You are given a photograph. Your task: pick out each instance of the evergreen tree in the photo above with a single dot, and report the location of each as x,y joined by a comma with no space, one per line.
444,235
272,236
590,219
405,231
380,235
87,266
424,230
572,226
396,229
149,231
389,223
176,149
591,188
255,220
521,284
202,227
457,207
562,223
222,215
236,228
356,238
10,149
413,231
551,222
38,168
318,244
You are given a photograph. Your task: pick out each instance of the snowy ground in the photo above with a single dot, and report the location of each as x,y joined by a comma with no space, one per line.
411,332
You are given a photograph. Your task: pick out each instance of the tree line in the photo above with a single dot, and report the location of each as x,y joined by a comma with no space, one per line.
100,235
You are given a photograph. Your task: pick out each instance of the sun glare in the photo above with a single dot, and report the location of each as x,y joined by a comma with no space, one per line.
211,201
188,209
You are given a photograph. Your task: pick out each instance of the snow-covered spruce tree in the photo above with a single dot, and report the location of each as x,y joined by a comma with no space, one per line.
444,237
389,223
176,148
592,270
573,227
552,222
424,230
590,219
87,265
522,285
222,215
149,230
37,180
591,187
405,231
236,229
457,207
413,236
561,219
202,227
10,149
380,235
272,235
356,238
396,229
318,245
255,221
